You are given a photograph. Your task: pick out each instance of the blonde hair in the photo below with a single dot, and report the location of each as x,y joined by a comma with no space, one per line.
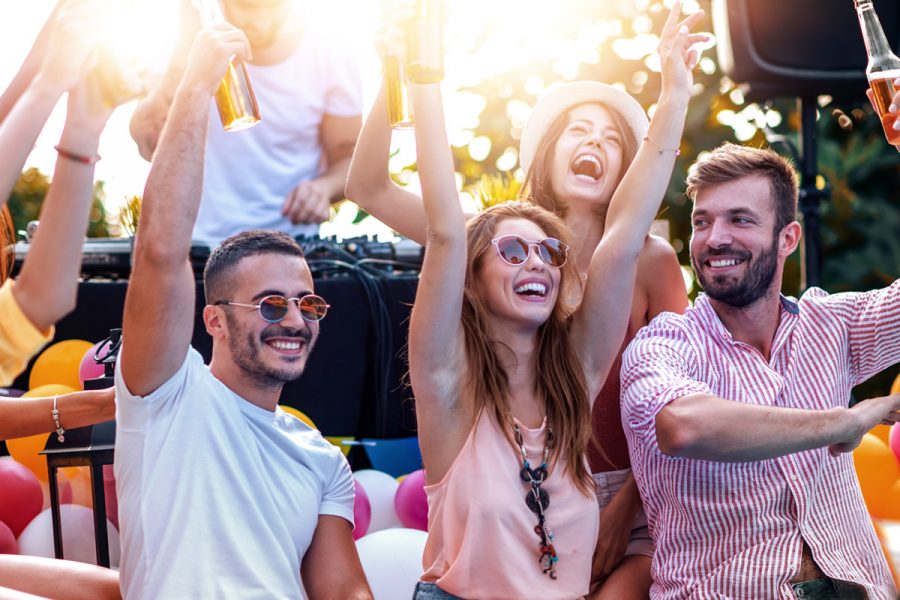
560,378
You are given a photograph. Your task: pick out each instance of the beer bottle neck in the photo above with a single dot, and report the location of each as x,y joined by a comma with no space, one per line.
876,41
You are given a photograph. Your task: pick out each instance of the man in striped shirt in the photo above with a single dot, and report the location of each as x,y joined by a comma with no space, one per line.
737,412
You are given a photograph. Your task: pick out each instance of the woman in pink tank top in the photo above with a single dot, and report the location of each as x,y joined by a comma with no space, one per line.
503,368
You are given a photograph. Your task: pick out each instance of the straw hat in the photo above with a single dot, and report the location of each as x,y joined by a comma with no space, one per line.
564,97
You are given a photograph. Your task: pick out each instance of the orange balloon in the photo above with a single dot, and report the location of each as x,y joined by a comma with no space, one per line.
882,432
299,414
895,389
60,364
25,449
878,472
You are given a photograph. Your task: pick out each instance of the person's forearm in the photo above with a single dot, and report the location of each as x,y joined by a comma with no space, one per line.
47,286
21,128
149,117
20,417
706,427
369,170
334,179
175,181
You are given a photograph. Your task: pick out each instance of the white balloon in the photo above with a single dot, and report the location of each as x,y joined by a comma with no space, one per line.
381,489
392,561
77,535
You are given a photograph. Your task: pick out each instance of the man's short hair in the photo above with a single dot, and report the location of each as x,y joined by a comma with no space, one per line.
729,162
238,247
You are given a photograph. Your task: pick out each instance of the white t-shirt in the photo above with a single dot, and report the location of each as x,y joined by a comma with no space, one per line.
218,498
249,173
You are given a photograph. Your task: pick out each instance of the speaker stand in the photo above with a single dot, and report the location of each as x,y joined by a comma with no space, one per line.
810,195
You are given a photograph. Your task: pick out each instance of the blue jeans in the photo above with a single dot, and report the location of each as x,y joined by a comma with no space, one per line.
430,591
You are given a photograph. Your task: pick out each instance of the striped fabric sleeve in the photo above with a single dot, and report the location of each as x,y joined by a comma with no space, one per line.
872,321
659,366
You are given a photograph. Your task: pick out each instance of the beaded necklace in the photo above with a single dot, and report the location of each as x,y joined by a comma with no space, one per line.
538,500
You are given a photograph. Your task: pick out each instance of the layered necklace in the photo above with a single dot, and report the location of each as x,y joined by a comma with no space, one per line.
538,500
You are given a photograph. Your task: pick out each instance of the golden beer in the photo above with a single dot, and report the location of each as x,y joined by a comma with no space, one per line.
883,90
235,98
400,114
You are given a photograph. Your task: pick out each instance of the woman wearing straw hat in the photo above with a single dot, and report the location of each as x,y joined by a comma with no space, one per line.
576,148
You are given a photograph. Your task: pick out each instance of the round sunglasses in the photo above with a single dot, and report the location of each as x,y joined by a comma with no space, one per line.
514,250
274,309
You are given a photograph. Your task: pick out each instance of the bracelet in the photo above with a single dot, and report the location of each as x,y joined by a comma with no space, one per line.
80,158
677,151
60,432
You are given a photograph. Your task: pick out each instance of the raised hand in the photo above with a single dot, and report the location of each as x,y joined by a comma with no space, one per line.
678,52
79,27
211,53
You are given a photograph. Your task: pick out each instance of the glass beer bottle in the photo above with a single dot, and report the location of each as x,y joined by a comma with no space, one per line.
399,107
883,67
234,96
426,46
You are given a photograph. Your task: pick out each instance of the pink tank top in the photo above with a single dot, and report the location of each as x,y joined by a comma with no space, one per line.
481,540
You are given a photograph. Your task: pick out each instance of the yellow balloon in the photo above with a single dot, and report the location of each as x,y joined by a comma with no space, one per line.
299,414
59,364
25,449
895,389
339,442
877,470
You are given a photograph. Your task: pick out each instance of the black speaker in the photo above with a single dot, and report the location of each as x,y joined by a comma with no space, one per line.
797,47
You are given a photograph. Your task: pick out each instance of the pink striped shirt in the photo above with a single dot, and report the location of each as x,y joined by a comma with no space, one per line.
735,530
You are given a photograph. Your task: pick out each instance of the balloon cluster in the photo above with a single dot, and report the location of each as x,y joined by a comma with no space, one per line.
25,524
391,518
877,462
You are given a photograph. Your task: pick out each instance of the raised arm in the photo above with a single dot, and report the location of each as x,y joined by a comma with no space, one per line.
369,183
29,68
159,307
72,38
437,365
149,116
47,287
601,319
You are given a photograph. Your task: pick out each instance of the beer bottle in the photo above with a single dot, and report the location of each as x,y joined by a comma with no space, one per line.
883,67
426,47
399,107
234,96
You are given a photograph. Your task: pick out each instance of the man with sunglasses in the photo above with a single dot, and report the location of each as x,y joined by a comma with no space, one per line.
222,494
736,412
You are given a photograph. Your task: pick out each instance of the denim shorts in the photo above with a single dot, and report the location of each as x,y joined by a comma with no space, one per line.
425,590
607,485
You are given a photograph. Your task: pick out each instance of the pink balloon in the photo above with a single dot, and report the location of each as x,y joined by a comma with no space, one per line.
362,511
8,543
894,440
22,496
411,503
89,369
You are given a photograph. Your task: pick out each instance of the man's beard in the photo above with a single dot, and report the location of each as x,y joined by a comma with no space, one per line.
246,349
751,287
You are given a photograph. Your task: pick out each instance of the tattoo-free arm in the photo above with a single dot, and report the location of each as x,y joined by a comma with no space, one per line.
331,569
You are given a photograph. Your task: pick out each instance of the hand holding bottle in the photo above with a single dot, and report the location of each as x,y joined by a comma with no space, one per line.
211,54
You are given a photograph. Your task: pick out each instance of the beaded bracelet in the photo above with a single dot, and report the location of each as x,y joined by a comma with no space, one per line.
80,158
54,412
677,151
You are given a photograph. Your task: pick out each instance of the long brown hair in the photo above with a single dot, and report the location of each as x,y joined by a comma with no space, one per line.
7,244
538,186
560,381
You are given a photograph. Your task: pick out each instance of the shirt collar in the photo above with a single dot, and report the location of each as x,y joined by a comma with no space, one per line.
790,313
